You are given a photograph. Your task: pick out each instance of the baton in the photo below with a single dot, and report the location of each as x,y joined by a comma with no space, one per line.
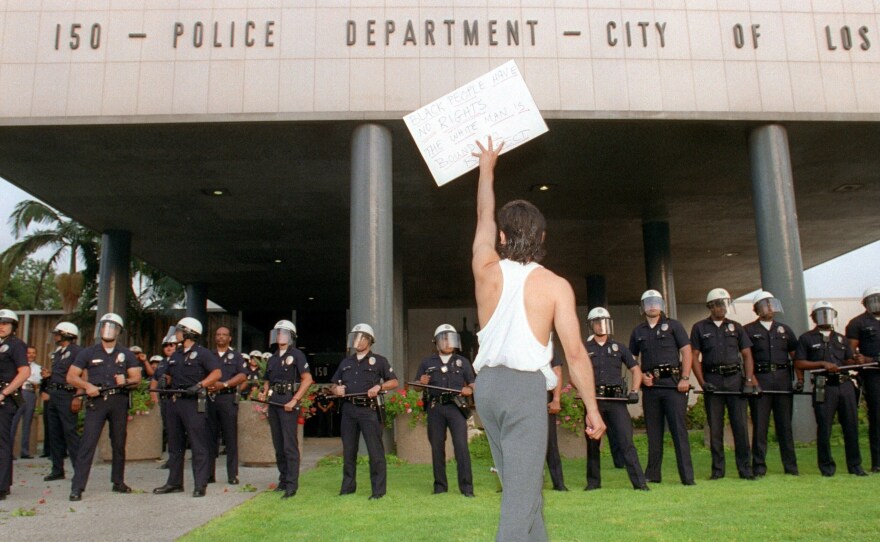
298,403
845,367
430,387
661,387
611,399
101,391
762,392
362,394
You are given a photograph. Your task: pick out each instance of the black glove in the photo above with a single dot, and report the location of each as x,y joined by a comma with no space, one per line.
194,389
798,386
708,386
632,398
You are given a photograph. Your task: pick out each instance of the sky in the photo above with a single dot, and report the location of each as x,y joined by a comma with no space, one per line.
844,277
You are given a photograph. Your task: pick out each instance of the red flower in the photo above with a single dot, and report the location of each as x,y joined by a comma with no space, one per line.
301,420
402,392
406,405
420,403
42,501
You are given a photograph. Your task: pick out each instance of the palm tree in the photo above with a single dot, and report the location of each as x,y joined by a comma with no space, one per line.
59,234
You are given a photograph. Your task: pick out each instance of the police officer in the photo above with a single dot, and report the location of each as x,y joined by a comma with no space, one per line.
286,366
662,345
608,357
107,365
824,348
252,373
14,370
554,461
362,372
448,369
62,421
159,381
223,404
192,368
863,333
717,344
773,346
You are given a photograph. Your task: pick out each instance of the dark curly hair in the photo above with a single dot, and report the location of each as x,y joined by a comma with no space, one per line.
523,226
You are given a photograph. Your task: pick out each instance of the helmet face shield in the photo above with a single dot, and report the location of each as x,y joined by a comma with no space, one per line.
768,306
872,303
281,336
719,304
825,316
652,303
108,331
355,338
448,339
602,326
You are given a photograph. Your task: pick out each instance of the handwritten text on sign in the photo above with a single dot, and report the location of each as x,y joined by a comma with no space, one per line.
497,104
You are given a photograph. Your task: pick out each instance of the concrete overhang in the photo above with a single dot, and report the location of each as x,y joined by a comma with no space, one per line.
287,199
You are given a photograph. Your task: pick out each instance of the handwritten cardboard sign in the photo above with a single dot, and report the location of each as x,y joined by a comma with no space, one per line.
497,104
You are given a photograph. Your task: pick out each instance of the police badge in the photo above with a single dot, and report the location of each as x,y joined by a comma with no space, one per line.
65,355
731,327
288,360
780,330
372,360
229,355
664,326
193,355
120,358
444,369
615,347
4,348
458,363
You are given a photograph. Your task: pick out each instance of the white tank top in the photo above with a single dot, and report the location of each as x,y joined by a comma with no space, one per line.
507,339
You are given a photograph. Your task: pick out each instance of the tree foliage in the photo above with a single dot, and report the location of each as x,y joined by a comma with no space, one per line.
31,288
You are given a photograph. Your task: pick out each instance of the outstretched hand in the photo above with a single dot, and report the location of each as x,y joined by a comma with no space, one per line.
488,155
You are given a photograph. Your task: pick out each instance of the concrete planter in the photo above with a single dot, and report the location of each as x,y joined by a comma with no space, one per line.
571,446
412,442
254,437
143,438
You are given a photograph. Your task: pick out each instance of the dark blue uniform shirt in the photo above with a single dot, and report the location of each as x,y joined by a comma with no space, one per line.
360,376
62,359
282,369
659,345
102,367
865,328
13,354
455,374
231,364
607,360
812,347
773,345
160,372
720,345
188,368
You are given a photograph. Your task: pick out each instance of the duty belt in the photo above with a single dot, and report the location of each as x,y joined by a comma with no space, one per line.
224,391
723,370
609,391
286,387
664,371
837,379
116,391
362,401
443,399
769,367
63,387
27,386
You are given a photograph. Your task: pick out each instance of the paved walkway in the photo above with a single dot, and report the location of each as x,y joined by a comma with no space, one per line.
140,516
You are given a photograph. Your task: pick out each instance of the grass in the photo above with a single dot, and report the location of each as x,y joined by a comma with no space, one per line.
777,507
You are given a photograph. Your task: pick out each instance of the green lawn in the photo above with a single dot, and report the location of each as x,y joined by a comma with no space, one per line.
777,507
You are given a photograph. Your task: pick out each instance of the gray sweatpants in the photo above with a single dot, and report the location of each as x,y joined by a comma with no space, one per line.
513,407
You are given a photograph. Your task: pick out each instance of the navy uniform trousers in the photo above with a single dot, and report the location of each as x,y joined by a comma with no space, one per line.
782,408
104,408
223,419
184,420
671,406
871,385
283,425
839,399
736,411
439,418
62,429
7,412
619,424
357,420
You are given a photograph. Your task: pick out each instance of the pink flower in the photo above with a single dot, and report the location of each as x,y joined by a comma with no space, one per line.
130,418
409,411
567,418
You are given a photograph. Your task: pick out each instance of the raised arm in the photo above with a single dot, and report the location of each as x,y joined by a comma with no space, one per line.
484,253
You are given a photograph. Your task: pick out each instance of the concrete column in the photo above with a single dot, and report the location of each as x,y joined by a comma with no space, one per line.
597,293
114,275
372,251
398,361
779,244
197,302
658,262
